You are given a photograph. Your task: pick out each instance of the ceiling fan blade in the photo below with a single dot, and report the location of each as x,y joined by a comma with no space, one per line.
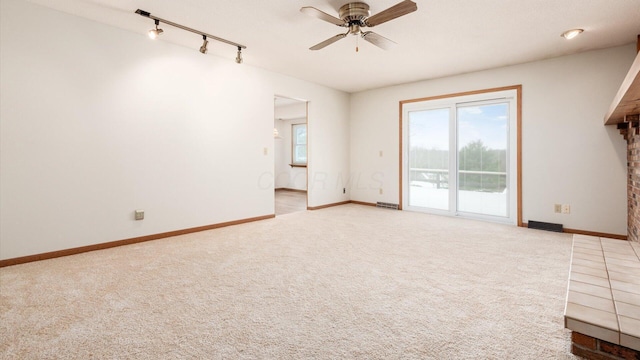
378,40
328,42
311,11
391,13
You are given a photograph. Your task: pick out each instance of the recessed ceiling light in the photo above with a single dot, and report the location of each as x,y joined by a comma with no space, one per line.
570,34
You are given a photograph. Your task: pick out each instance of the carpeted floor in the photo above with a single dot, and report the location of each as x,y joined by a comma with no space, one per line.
348,282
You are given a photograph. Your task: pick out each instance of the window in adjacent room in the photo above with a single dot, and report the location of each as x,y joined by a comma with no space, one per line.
299,144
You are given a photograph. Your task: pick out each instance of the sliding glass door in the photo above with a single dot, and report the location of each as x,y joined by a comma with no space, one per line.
459,156
483,145
429,158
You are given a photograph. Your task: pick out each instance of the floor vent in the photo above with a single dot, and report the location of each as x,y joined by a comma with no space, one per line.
387,205
544,226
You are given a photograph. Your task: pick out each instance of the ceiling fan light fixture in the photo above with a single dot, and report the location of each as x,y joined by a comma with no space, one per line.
354,29
570,34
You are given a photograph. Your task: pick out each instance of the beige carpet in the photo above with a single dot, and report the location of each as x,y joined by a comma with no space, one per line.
349,282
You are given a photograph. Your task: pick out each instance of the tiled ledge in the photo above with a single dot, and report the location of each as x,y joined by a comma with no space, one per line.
603,299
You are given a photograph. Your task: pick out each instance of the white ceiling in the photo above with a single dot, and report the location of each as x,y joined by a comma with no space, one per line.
444,37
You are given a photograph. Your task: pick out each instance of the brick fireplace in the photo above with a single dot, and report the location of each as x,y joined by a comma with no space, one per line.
631,132
625,114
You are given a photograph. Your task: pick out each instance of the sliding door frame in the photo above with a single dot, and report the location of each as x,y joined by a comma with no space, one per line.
518,89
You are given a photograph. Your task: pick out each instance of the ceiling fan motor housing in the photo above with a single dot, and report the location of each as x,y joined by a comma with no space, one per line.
354,14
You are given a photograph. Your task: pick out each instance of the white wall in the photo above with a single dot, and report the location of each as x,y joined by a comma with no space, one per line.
97,122
569,156
288,177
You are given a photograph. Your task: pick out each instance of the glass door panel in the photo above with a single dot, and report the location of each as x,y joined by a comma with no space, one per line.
428,136
483,148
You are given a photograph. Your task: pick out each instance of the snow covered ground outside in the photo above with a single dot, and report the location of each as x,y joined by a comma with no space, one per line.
424,194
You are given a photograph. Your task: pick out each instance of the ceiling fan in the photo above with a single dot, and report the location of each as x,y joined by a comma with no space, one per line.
355,16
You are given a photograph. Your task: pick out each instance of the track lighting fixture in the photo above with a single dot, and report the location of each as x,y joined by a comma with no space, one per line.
203,48
239,56
153,33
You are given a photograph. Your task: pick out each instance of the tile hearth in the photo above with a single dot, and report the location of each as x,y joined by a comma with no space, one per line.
603,299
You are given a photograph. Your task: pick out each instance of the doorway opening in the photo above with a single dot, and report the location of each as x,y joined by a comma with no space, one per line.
290,155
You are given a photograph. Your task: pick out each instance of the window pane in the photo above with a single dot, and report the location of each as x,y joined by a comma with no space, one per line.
301,154
299,143
429,158
482,159
300,134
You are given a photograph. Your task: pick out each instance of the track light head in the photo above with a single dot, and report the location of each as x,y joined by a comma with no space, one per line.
154,33
239,56
203,48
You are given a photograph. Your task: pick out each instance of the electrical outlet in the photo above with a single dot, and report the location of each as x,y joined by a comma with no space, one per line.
557,208
139,214
344,190
566,209
380,191
265,151
380,153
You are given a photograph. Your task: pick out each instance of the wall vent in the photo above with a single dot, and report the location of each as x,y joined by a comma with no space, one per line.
539,225
387,205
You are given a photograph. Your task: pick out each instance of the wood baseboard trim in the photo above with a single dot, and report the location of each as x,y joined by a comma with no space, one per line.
588,233
363,203
111,244
598,234
328,205
289,189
